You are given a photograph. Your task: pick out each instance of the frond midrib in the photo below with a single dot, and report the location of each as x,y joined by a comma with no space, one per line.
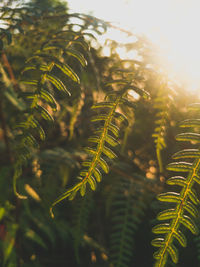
101,141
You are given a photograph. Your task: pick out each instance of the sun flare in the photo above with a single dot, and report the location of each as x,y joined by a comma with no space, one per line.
171,25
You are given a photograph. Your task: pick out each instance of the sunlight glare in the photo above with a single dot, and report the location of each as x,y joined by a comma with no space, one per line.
172,25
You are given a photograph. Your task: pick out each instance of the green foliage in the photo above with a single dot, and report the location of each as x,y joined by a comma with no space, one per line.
127,212
82,209
60,93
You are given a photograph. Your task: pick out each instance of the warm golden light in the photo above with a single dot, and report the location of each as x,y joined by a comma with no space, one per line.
172,25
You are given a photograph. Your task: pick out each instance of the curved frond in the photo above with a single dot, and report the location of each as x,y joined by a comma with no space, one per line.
43,65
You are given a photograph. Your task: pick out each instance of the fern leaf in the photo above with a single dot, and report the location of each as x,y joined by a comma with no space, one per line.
46,96
76,54
44,113
179,166
161,104
126,214
96,154
170,197
97,175
177,180
186,153
109,153
68,71
188,137
185,201
35,124
57,83
42,64
191,209
105,136
170,213
190,123
103,164
81,212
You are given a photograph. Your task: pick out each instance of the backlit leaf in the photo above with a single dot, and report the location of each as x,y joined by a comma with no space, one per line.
92,182
188,137
170,197
57,83
108,152
179,166
173,252
103,165
187,153
68,71
176,180
167,214
77,55
189,223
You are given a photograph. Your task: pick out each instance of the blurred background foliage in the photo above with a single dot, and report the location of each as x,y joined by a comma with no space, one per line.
108,227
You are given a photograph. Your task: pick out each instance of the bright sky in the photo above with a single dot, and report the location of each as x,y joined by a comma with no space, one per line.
172,25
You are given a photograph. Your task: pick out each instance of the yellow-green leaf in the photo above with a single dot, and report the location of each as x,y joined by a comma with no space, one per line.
57,83
68,71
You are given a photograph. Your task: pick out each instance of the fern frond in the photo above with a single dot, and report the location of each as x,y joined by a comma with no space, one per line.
105,137
82,209
162,105
43,65
127,211
96,161
184,211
